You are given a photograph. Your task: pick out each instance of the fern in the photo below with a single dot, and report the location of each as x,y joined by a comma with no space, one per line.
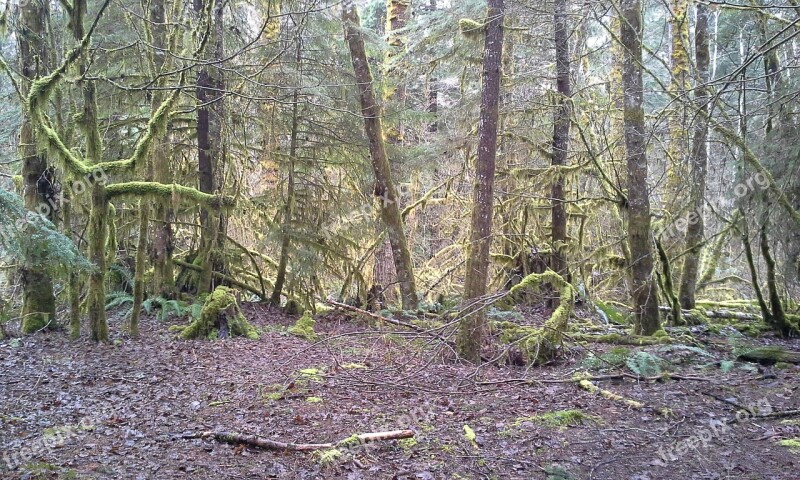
645,364
166,308
116,299
614,358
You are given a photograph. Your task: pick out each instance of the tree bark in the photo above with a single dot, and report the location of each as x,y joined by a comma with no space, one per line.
644,290
470,332
210,146
157,14
696,229
288,209
561,124
39,303
384,187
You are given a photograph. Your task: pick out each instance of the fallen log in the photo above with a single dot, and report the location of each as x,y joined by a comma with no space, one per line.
267,444
770,355
722,313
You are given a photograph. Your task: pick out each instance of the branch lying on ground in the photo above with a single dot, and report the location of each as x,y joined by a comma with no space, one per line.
392,321
267,444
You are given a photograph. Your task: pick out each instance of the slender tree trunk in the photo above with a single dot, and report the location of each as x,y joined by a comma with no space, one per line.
210,145
751,263
696,228
384,187
645,294
470,334
74,284
39,303
561,124
158,33
288,209
778,314
98,227
98,235
677,118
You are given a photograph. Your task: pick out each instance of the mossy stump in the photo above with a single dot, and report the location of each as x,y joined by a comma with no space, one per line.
220,318
304,327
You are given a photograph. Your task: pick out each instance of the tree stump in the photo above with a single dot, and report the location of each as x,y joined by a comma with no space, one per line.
220,318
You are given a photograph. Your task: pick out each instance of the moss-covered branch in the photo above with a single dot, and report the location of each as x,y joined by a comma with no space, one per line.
143,189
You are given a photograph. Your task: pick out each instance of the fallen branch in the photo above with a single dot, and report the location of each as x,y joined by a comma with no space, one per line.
392,321
267,444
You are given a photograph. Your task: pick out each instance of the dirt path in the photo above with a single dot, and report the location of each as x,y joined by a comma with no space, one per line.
79,410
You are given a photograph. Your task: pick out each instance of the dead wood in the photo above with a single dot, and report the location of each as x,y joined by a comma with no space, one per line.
267,444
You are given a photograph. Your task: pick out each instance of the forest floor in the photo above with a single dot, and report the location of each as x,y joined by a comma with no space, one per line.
123,410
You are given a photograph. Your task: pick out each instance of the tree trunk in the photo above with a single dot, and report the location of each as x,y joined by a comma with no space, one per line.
677,118
471,328
98,234
210,145
288,209
384,187
561,124
39,303
644,290
158,56
778,315
696,228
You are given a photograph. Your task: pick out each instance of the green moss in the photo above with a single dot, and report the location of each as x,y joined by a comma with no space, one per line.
312,374
314,400
559,419
791,443
771,354
407,444
304,327
469,435
607,394
350,442
540,345
327,458
220,313
470,28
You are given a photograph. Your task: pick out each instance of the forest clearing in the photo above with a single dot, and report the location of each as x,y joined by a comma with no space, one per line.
398,239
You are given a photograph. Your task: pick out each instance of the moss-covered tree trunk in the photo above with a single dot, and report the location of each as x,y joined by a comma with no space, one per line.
210,144
97,232
677,118
561,125
778,317
385,189
696,228
644,290
470,332
39,303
